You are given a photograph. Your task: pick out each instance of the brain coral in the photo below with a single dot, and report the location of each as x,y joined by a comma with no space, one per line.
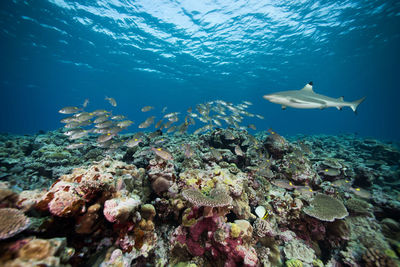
12,222
217,198
326,208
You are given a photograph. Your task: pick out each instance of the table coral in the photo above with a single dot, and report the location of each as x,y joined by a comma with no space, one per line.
12,222
326,208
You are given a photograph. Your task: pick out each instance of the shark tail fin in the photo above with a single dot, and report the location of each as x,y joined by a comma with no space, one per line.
355,104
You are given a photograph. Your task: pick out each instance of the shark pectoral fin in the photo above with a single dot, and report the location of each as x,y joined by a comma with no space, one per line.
322,107
339,108
283,107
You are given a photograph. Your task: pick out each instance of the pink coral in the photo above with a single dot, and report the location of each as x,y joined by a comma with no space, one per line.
212,234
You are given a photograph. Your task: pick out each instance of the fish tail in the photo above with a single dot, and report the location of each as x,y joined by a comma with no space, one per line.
355,104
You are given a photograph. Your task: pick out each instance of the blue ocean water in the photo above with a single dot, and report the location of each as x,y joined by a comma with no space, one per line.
180,53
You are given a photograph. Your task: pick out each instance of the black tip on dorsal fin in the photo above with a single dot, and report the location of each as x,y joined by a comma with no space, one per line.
311,83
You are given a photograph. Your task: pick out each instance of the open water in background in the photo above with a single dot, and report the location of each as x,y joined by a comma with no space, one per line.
180,53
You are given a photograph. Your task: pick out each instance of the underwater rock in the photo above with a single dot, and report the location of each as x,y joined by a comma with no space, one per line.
276,145
162,175
119,209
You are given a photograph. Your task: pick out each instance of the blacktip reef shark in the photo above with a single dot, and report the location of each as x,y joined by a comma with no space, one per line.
307,98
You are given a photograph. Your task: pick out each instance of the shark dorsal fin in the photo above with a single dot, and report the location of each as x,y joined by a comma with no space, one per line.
308,87
340,98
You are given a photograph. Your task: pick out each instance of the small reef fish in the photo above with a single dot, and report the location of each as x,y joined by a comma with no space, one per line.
149,121
239,151
204,128
85,103
105,124
73,131
170,115
124,124
118,117
162,153
68,120
330,172
111,101
248,103
216,154
164,109
305,190
252,126
361,192
105,137
283,184
260,117
69,110
187,150
147,108
101,118
79,135
133,142
172,129
99,112
158,124
84,116
160,141
342,183
75,146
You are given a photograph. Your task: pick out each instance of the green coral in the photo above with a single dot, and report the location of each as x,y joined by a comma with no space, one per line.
293,263
317,263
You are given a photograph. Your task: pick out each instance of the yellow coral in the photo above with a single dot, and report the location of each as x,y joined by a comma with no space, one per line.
217,171
390,253
235,230
185,264
317,263
191,181
294,263
185,221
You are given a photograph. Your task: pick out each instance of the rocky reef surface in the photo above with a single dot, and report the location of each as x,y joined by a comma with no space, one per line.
222,198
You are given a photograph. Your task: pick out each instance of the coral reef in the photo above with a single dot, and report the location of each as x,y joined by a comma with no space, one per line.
222,198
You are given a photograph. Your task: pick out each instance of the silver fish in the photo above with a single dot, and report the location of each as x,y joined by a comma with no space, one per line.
75,146
101,118
147,108
133,142
105,124
69,110
162,153
111,101
149,121
124,124
105,137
